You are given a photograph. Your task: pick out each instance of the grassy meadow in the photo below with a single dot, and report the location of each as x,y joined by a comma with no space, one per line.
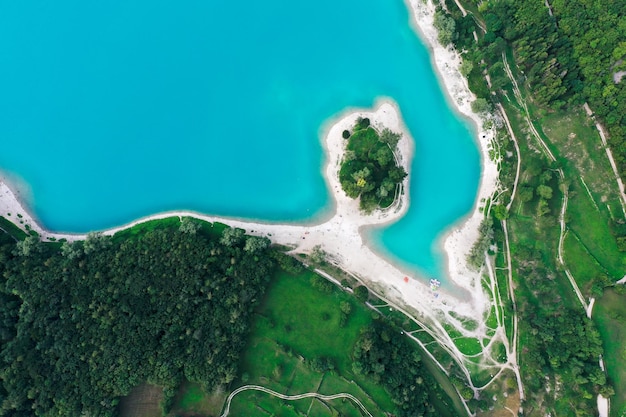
610,316
295,324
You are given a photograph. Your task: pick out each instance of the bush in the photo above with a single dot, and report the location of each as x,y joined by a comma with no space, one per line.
475,258
362,123
345,134
232,236
500,212
390,137
189,225
321,364
288,263
321,284
361,293
466,67
481,106
318,255
446,27
345,307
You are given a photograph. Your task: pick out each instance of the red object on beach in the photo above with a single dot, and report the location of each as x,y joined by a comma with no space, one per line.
406,279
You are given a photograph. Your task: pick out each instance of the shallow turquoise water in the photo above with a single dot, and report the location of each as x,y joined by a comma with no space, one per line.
114,110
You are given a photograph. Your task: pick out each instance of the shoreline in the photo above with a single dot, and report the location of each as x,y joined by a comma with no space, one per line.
340,237
458,239
338,229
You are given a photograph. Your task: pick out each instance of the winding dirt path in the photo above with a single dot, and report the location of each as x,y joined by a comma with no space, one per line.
550,155
293,397
513,354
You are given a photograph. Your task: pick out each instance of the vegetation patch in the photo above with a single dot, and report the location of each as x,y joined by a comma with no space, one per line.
10,228
492,319
468,345
297,328
144,227
476,256
385,356
191,400
552,45
467,323
590,275
369,170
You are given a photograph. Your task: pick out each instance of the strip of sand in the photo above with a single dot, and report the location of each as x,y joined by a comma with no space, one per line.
340,237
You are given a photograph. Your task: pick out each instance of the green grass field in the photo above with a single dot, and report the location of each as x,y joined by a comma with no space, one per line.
468,345
9,227
209,229
297,323
147,226
610,315
191,400
594,198
294,314
591,226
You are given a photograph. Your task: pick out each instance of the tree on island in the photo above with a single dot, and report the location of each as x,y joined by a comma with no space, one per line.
390,137
369,170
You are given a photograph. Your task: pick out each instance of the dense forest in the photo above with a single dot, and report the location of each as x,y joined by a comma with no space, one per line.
369,170
83,323
570,52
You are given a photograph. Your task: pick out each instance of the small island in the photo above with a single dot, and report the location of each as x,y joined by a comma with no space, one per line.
369,169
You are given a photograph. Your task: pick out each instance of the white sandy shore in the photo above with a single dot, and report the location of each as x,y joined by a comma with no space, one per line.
340,236
458,242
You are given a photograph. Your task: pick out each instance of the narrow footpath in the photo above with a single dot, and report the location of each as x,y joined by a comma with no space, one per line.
293,397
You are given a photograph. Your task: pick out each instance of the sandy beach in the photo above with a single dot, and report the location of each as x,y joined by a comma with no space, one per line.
339,236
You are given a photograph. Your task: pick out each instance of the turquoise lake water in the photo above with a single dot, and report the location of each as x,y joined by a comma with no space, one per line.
114,110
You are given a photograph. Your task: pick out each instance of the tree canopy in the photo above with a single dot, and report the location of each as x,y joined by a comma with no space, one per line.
389,358
369,170
570,52
82,325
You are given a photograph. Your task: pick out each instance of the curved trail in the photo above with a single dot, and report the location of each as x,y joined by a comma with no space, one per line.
519,155
514,343
293,397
